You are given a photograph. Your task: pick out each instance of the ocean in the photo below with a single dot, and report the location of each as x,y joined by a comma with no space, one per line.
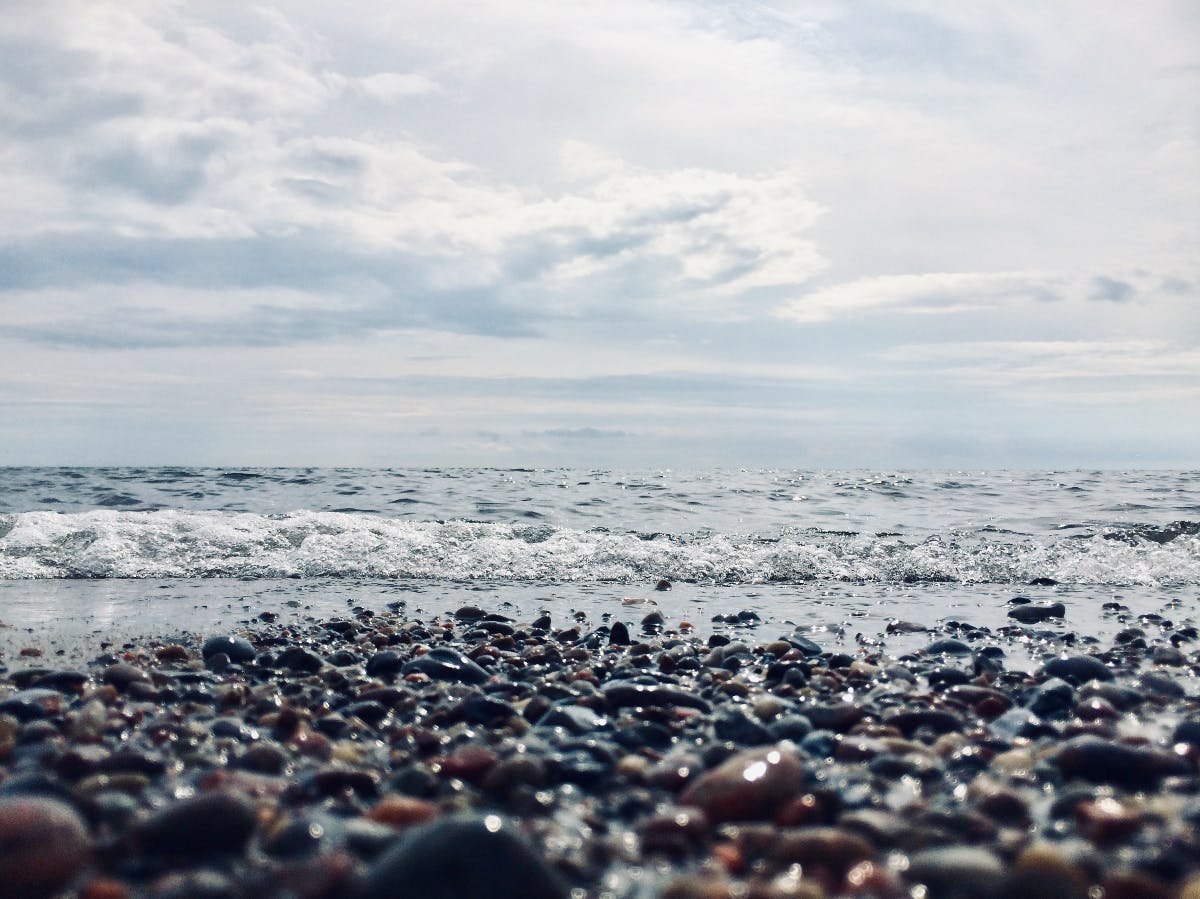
855,557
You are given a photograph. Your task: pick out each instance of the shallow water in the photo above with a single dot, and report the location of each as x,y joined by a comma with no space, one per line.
97,553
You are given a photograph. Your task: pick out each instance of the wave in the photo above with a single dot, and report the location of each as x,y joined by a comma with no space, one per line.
186,544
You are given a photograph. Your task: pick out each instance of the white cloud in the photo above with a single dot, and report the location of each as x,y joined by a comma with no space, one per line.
806,191
933,292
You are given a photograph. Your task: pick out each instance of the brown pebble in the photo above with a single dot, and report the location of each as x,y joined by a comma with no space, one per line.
402,811
469,763
43,843
172,652
1106,820
830,848
122,675
104,888
750,785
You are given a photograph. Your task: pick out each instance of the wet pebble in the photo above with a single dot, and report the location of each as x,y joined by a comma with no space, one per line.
463,856
239,650
43,844
749,785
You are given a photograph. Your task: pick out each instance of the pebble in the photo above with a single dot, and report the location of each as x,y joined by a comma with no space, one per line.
446,665
43,844
749,785
357,757
1034,613
238,649
199,828
461,857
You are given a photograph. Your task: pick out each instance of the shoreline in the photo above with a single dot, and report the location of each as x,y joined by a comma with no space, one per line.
348,755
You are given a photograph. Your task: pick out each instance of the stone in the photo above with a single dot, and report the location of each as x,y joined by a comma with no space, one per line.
447,665
750,785
1033,613
238,649
463,856
1097,760
204,826
1079,669
956,872
43,844
625,693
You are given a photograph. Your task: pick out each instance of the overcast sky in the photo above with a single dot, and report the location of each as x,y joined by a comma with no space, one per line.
687,233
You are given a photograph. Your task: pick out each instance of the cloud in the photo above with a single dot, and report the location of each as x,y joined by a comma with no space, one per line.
932,293
1111,290
760,207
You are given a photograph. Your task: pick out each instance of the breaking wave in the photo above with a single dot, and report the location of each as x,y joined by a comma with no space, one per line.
194,544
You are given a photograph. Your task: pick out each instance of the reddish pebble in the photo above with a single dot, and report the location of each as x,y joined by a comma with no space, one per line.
30,652
104,888
402,811
172,653
43,843
470,763
750,785
1106,820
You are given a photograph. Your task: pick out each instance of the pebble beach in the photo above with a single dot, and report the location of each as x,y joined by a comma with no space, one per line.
627,755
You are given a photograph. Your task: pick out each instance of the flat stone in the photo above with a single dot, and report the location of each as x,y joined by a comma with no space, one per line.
1079,669
1097,760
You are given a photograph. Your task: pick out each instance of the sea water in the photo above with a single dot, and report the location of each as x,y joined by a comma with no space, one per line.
855,557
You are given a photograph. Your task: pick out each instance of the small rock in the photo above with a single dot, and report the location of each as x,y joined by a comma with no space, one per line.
238,649
1102,761
448,665
1079,669
956,872
43,843
463,856
750,785
1034,613
210,824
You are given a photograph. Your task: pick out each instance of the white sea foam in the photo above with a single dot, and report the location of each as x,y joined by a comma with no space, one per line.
189,544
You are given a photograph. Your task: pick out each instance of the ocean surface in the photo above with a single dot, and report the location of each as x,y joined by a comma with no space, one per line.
106,551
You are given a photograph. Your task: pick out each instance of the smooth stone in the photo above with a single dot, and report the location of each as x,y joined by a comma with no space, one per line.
207,825
448,665
956,872
735,725
750,785
832,848
479,708
790,727
625,693
297,658
837,716
576,719
909,721
1035,613
238,649
1052,698
43,843
1097,760
1079,669
948,646
463,856
383,663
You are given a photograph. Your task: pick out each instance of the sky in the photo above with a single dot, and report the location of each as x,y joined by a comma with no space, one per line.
638,233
